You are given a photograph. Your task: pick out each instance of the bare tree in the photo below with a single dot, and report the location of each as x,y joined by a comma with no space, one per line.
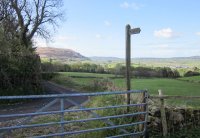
30,17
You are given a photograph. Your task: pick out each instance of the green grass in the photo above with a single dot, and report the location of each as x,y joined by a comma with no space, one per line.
168,86
195,79
89,82
82,74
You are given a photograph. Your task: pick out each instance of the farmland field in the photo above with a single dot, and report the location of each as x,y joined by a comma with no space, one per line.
183,86
169,86
195,79
81,74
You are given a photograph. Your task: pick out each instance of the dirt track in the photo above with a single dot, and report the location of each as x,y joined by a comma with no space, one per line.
33,106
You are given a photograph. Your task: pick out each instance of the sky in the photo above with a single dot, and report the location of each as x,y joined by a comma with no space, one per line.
169,28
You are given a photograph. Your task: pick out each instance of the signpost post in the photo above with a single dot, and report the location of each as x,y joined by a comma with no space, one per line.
128,33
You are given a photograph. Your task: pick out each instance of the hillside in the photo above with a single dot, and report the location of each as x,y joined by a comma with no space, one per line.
95,58
59,54
68,55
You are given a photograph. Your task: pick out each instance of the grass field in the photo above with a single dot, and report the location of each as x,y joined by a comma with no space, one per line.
186,86
87,75
195,79
169,86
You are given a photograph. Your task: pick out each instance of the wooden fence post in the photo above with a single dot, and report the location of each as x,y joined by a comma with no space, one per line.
142,109
163,115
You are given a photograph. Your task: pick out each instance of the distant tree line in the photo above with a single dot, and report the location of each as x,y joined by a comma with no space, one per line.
76,67
195,71
161,72
118,69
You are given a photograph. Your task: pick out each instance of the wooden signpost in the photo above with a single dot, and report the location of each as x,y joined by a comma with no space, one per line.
128,33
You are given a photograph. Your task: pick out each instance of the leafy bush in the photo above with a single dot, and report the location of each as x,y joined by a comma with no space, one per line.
49,75
155,72
191,73
20,74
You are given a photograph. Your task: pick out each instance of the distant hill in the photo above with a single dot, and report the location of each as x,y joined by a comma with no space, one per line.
192,57
70,56
59,54
95,58
105,58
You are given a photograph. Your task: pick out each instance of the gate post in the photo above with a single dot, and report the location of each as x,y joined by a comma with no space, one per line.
144,117
163,115
62,115
146,135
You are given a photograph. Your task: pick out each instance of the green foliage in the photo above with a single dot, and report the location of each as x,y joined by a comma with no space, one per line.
101,101
155,72
104,84
86,75
193,79
20,74
118,69
65,81
76,67
49,75
191,73
19,65
85,82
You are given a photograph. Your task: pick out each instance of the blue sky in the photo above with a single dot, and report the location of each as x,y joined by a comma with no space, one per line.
170,28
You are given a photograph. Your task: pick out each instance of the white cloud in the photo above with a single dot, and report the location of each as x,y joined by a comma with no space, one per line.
40,42
98,36
133,5
198,33
160,46
65,38
107,23
166,33
59,40
125,5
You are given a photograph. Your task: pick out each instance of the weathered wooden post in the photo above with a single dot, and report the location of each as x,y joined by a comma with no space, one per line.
62,108
163,115
142,127
128,32
128,63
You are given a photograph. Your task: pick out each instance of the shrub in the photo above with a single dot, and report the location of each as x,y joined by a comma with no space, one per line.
49,75
155,72
191,73
20,74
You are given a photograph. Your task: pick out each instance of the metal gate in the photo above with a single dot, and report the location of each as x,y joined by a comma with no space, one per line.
139,115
